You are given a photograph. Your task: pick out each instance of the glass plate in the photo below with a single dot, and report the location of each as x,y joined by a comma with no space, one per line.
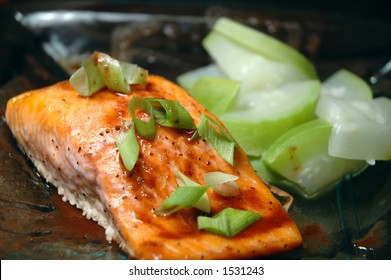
352,222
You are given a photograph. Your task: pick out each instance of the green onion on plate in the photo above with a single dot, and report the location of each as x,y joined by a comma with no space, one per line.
182,197
128,147
229,222
222,183
100,70
203,203
171,113
145,124
221,141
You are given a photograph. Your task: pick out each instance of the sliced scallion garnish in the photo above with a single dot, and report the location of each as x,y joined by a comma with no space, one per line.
182,197
128,147
111,72
87,79
203,203
145,124
100,70
222,183
183,180
171,113
228,222
133,74
223,143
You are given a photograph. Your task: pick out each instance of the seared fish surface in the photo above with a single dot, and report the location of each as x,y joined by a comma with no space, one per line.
71,141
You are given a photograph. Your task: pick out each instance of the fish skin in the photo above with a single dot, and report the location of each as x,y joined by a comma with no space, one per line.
71,141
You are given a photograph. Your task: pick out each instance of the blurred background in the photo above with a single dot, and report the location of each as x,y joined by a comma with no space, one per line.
374,8
322,30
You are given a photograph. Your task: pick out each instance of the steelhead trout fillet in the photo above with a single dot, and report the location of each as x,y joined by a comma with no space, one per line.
72,142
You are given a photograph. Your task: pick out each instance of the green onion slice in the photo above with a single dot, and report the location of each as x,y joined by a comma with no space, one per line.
101,70
171,113
223,143
182,197
203,203
128,147
183,180
111,72
87,79
133,74
145,124
222,183
228,222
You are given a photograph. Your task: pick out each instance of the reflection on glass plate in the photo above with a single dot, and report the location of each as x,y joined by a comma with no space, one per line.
352,222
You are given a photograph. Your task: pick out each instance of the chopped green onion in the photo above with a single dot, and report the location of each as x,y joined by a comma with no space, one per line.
111,72
87,79
167,113
182,197
79,82
100,70
203,203
223,143
133,73
145,128
171,113
128,147
228,222
183,180
222,183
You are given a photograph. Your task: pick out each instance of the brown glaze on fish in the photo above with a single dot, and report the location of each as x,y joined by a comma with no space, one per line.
71,141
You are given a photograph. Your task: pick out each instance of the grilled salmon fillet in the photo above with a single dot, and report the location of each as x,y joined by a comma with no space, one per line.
71,141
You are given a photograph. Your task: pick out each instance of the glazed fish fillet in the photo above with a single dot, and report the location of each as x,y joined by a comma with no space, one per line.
71,141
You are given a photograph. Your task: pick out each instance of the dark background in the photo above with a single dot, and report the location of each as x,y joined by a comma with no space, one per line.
363,8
